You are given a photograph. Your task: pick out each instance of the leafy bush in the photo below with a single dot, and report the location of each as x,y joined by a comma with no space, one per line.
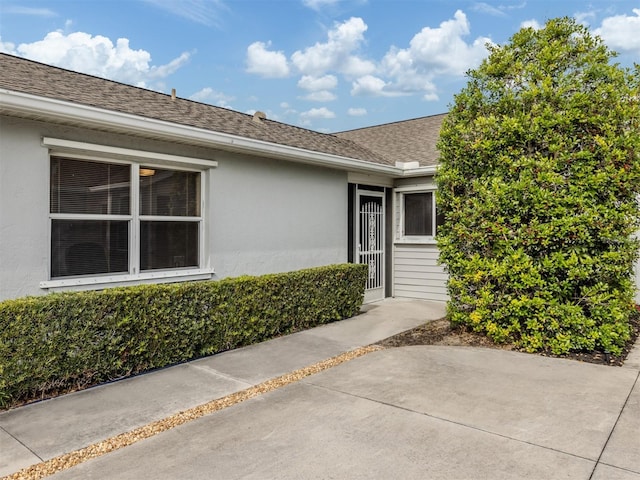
71,340
540,172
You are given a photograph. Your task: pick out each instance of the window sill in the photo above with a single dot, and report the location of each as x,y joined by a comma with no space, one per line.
106,281
415,241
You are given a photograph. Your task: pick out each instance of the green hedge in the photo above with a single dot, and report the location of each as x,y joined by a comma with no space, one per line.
538,183
72,340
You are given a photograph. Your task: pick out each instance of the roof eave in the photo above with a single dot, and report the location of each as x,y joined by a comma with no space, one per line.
419,171
17,103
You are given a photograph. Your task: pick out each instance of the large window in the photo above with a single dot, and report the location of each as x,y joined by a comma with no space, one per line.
419,219
122,218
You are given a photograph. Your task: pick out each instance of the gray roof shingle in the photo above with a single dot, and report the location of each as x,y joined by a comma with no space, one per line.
406,141
410,140
26,76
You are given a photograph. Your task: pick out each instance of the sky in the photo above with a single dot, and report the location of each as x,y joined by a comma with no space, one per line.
326,65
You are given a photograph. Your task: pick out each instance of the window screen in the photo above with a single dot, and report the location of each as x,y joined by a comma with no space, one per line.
79,186
169,192
87,247
418,214
93,220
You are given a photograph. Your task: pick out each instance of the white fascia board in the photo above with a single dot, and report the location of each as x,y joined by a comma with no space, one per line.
420,171
17,102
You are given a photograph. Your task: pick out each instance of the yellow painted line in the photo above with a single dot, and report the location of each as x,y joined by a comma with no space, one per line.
68,460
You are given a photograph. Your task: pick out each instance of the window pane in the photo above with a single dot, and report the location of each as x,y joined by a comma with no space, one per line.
169,192
168,245
89,247
79,186
418,213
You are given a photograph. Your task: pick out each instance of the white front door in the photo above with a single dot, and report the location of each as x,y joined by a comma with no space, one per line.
370,241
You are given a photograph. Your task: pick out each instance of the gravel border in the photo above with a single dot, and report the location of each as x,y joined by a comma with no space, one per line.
68,460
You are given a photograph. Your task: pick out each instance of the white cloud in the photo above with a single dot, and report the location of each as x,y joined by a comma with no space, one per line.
337,53
209,95
322,112
320,96
431,53
287,110
36,12
357,112
408,74
8,47
373,86
355,66
442,50
206,12
97,55
584,17
317,5
533,23
368,85
483,7
621,32
497,11
266,63
319,87
326,82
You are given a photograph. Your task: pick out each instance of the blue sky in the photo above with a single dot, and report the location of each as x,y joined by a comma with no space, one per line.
327,65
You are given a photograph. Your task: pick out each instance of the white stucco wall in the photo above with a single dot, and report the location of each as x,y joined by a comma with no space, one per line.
24,203
262,215
270,216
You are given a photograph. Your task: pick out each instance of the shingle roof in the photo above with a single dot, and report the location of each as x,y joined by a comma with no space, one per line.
406,141
26,76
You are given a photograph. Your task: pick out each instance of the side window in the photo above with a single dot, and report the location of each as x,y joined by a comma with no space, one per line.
418,219
418,214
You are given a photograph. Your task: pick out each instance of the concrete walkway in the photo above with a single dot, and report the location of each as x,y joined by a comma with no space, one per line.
411,412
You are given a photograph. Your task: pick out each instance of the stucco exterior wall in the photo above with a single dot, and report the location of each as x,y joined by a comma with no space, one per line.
271,216
24,203
261,215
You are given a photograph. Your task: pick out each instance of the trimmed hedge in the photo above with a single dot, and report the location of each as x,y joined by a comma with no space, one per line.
72,340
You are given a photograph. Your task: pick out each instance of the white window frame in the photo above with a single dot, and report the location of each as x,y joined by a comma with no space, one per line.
400,237
136,159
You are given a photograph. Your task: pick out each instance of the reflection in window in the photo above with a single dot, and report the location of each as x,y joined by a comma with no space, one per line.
169,193
168,245
80,186
87,247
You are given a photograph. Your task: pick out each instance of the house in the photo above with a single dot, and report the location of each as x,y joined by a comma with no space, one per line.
104,184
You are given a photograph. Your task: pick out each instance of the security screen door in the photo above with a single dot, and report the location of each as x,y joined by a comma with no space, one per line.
370,241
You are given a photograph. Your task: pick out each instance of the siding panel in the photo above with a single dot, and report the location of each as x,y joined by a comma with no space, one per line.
416,273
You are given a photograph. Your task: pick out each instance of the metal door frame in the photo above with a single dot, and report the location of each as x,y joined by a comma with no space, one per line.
377,293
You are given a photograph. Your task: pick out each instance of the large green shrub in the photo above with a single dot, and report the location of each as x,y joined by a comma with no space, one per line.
540,171
71,340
